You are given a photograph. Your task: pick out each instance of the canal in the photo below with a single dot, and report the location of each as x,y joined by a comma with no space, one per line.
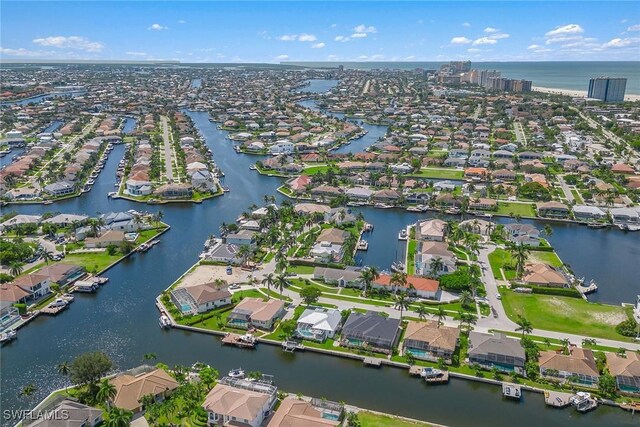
121,318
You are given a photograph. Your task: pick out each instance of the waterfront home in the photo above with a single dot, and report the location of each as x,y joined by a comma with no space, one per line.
299,184
626,369
11,293
61,273
496,351
222,252
504,175
324,252
483,204
201,298
349,277
428,252
522,234
625,215
130,388
202,180
372,331
239,403
19,220
430,341
138,187
386,196
35,284
318,323
65,220
545,275
73,413
444,186
174,191
300,413
552,209
476,173
579,366
242,237
256,312
359,193
109,237
340,216
587,213
623,169
59,189
311,208
123,221
431,230
417,286
478,226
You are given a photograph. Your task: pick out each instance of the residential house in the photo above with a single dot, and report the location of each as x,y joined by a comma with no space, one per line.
131,388
242,237
256,312
239,403
138,187
62,273
545,275
418,286
35,284
201,298
318,323
109,237
371,330
552,209
588,213
428,252
348,277
66,413
483,204
522,234
626,369
496,351
174,191
59,189
300,413
430,341
579,366
431,230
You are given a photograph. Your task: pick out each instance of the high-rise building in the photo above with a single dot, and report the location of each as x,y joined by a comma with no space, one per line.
460,66
607,89
485,75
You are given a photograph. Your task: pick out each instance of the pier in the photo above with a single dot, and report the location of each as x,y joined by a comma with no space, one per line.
557,399
372,361
511,391
243,341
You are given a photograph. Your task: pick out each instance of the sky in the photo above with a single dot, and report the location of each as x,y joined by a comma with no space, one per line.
320,31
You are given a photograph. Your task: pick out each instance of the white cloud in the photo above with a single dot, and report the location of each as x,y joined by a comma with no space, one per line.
282,57
534,46
318,45
466,24
362,57
182,21
484,40
341,39
634,28
157,27
378,56
473,50
490,30
618,42
358,35
138,54
499,36
71,42
460,40
22,52
365,29
566,29
304,37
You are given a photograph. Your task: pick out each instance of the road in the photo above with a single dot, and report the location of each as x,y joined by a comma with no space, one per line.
565,188
520,135
168,158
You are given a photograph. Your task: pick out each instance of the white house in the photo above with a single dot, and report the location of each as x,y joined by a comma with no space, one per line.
282,147
239,402
318,323
138,188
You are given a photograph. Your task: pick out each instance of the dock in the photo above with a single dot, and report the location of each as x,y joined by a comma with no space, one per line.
557,399
415,370
511,391
53,310
372,361
291,346
243,341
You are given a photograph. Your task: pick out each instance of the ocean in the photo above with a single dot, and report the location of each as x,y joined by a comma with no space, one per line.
557,75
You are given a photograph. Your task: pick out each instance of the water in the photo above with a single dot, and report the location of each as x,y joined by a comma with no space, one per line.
129,125
53,126
121,318
573,75
40,98
196,83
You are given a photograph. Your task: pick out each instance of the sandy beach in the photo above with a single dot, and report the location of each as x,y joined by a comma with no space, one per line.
575,93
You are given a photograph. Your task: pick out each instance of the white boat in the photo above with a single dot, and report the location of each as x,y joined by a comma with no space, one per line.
414,209
431,373
382,206
8,336
363,245
397,267
164,322
253,167
403,235
237,373
583,401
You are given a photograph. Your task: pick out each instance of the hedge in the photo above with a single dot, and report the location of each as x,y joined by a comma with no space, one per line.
563,292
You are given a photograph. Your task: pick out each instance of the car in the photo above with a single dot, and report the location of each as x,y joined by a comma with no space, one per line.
498,296
234,286
229,270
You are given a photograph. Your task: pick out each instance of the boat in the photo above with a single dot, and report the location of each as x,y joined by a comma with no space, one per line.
237,373
597,225
403,235
111,193
452,211
397,266
363,245
368,227
253,167
382,206
414,209
431,373
226,189
164,322
583,401
8,336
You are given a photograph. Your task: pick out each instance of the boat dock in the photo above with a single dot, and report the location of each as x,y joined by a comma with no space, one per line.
244,341
442,378
53,310
415,370
511,391
557,399
372,361
291,346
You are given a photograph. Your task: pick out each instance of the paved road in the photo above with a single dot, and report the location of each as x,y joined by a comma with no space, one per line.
168,161
565,188
520,135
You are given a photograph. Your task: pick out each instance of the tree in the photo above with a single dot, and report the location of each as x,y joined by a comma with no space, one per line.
147,401
208,376
466,299
106,392
401,302
607,385
149,356
15,269
421,311
398,278
88,368
520,254
367,276
244,252
268,281
117,417
441,315
288,327
28,390
310,294
467,319
524,325
281,282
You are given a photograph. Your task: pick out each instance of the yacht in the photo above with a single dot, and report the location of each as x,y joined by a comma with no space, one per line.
431,373
382,206
403,235
237,373
164,322
8,336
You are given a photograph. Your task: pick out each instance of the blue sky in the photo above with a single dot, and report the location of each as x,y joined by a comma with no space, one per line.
321,31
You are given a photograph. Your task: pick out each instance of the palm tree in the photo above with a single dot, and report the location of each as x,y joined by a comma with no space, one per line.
147,400
268,281
15,268
435,265
524,325
466,299
244,251
401,303
281,282
106,392
468,319
63,369
398,278
157,218
421,311
118,417
47,255
441,314
367,276
519,254
565,343
28,390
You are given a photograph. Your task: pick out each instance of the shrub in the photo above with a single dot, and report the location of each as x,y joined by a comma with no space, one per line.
627,328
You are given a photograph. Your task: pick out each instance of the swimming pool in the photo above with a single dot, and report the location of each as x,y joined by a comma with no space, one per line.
330,416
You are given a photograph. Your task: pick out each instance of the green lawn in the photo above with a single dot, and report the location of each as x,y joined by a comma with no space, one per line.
301,269
522,209
369,419
439,173
576,195
500,258
550,258
411,264
93,261
312,170
564,314
275,295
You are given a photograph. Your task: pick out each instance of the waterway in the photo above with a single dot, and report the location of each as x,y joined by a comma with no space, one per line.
53,126
121,318
129,125
40,98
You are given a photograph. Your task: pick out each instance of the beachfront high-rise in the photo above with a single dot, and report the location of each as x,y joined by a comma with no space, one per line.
607,89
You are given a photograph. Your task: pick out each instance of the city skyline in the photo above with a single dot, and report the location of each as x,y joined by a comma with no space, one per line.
311,31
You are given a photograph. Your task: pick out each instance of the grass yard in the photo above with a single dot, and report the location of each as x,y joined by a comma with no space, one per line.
500,258
550,258
439,173
411,264
312,170
275,295
301,269
576,195
564,314
522,209
92,261
369,419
